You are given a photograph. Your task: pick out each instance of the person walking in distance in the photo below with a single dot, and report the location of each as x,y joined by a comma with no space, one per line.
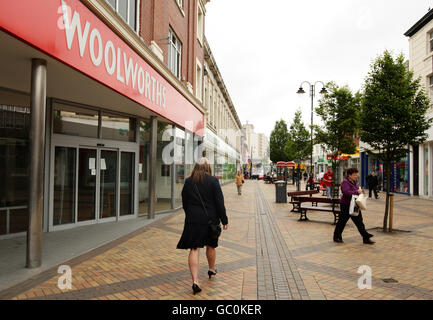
203,203
372,182
327,182
349,188
239,180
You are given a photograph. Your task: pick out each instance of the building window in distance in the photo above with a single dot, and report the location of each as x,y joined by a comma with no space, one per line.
431,41
200,23
174,54
127,9
199,81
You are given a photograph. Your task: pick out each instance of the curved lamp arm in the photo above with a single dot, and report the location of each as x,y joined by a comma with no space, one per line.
301,89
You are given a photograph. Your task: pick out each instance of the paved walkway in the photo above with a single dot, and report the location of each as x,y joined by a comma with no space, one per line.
266,254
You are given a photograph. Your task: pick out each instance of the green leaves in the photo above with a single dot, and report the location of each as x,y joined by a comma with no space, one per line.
293,145
298,147
278,141
393,113
339,110
394,108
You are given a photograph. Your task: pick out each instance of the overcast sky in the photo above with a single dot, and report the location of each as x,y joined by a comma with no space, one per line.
265,49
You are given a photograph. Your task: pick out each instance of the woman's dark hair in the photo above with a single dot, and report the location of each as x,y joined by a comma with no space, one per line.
351,171
201,168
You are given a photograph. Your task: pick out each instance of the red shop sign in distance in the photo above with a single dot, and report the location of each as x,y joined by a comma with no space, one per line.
71,33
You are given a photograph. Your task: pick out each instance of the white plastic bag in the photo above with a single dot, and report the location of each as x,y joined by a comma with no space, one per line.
352,211
361,201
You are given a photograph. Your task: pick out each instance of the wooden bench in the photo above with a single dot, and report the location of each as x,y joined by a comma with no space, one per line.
295,195
334,209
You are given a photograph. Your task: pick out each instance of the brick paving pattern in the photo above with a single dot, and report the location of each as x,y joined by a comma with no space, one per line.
266,254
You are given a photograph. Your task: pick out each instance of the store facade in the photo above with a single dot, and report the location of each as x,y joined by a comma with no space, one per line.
119,136
400,173
225,160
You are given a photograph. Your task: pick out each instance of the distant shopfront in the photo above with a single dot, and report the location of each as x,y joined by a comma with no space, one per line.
103,119
225,160
400,173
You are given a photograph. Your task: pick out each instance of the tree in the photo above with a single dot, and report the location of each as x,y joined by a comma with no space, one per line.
393,114
278,141
298,147
339,110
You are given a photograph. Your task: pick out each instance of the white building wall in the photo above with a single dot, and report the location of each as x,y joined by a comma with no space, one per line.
421,62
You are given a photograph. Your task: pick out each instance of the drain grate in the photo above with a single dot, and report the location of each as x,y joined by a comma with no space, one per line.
389,280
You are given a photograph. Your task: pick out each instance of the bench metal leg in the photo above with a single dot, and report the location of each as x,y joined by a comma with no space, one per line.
303,216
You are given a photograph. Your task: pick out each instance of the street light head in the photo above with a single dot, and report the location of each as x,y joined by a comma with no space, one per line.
301,91
323,91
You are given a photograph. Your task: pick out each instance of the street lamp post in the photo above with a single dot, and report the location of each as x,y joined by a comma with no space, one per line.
312,94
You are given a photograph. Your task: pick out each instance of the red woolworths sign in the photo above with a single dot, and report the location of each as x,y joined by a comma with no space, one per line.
71,33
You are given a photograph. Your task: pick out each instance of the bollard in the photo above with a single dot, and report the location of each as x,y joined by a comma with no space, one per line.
391,211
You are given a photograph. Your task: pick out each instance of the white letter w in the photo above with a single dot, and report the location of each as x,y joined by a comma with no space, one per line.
70,29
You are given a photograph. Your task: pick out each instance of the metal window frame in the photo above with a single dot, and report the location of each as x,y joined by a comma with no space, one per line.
175,54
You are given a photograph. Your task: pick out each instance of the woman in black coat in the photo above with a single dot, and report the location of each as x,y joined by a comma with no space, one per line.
195,234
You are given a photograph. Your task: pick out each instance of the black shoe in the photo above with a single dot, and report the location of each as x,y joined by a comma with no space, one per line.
368,241
195,288
370,236
211,273
338,240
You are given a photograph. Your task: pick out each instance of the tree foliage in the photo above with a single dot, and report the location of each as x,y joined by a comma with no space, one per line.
298,147
339,110
393,114
278,141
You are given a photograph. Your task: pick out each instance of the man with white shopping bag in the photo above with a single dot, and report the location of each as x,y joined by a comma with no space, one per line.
352,199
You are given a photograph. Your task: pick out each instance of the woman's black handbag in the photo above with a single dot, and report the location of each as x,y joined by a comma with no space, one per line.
214,229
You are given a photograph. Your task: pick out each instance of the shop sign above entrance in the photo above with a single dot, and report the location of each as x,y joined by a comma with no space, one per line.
72,34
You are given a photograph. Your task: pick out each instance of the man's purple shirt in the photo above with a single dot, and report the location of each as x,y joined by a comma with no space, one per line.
348,189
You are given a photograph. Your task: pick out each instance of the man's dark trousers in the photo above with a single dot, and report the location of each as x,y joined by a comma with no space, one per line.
342,221
374,189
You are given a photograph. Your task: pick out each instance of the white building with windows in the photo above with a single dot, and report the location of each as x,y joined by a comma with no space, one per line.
258,144
421,62
223,129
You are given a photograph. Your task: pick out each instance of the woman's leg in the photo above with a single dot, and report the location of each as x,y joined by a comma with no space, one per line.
194,263
211,257
360,225
342,220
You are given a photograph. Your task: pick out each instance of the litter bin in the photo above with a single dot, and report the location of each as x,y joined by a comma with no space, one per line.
281,191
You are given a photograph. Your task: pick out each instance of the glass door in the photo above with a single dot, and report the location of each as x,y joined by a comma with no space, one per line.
92,184
108,184
86,209
127,165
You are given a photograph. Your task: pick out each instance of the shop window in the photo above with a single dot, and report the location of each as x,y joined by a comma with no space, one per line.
402,175
127,9
164,167
143,167
174,54
181,167
75,121
117,127
14,164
